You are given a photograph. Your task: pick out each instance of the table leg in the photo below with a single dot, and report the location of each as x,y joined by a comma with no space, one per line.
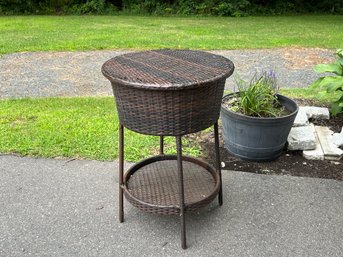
161,146
121,171
181,192
218,164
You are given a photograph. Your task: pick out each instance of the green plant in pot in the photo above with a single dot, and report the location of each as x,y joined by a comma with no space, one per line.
256,119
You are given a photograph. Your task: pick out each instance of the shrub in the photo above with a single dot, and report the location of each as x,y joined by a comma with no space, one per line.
231,8
187,7
93,7
17,6
331,85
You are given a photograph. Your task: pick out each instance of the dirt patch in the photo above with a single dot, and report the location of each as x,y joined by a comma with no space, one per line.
300,58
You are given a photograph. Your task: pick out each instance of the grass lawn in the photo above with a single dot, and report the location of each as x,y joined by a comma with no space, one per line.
88,127
60,33
82,128
307,93
72,127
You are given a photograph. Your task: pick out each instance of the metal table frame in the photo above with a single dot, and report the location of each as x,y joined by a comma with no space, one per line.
180,174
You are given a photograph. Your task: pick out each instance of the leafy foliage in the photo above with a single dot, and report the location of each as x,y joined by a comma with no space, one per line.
332,85
185,7
56,7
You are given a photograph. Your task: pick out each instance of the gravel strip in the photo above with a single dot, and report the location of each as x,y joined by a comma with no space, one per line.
50,74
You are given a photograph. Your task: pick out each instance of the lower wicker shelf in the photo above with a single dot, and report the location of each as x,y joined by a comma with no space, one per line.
152,185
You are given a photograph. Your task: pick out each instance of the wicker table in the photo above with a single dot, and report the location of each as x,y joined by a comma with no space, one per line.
168,93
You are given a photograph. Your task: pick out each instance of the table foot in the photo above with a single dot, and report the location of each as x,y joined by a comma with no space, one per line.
121,172
181,190
121,209
218,164
183,232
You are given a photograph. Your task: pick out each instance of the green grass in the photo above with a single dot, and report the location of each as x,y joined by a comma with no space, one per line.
88,127
307,93
85,128
56,33
72,127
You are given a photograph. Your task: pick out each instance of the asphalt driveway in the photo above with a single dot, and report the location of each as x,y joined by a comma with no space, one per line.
69,208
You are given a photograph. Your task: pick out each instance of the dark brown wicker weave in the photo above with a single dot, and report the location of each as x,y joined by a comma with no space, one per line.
168,93
201,182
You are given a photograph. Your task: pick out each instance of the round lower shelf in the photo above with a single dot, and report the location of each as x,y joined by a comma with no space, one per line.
153,184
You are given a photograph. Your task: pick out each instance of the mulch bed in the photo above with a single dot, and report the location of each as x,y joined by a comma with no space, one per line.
290,163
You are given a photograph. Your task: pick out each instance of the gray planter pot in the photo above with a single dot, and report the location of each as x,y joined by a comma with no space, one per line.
254,138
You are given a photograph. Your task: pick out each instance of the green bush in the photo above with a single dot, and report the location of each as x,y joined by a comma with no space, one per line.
185,7
93,7
218,8
56,6
18,6
331,85
234,9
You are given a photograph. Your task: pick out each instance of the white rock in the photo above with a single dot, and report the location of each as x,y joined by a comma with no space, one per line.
315,154
307,112
302,138
301,119
331,151
317,112
337,138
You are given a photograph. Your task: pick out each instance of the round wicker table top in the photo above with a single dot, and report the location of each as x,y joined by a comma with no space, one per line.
167,69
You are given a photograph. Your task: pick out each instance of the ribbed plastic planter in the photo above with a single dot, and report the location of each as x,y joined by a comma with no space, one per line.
255,138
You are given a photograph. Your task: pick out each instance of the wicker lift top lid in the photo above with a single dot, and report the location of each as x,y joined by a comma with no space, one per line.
167,69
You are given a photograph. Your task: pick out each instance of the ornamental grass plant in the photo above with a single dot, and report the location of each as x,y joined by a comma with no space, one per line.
256,98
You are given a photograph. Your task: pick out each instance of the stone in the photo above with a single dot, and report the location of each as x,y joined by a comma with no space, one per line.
315,154
307,112
337,138
302,138
301,119
331,151
317,112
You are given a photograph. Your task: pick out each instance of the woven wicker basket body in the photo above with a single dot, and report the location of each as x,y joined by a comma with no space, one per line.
169,112
168,92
